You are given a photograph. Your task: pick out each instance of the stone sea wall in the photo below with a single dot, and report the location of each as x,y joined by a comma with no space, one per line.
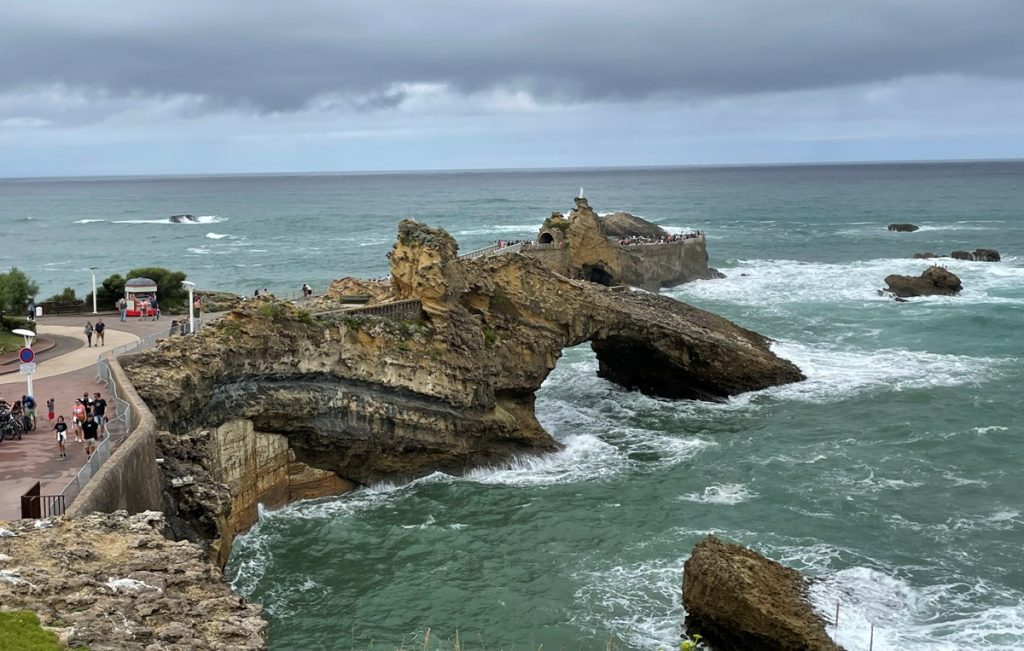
130,480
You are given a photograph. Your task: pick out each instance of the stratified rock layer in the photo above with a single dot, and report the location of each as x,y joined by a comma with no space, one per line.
933,281
738,600
114,582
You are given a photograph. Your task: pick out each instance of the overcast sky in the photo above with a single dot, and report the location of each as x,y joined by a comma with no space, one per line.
146,87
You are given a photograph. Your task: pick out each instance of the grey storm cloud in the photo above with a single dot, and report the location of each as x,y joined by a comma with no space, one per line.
277,56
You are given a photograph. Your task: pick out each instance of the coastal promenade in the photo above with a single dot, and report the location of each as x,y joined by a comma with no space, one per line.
64,373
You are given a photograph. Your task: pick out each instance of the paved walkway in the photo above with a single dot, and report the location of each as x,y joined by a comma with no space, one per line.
62,377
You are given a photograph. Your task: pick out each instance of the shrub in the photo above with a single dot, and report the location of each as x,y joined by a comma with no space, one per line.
66,296
16,290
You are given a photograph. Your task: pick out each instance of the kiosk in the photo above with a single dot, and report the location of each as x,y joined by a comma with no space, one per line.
140,293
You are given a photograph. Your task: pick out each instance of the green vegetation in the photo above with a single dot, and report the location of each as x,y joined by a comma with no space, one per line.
66,296
490,337
305,316
16,290
10,343
111,291
21,630
270,310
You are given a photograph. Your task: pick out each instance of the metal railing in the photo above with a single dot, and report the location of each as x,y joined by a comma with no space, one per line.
494,249
41,506
100,455
408,309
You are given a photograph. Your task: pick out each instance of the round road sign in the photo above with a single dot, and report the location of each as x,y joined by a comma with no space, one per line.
26,355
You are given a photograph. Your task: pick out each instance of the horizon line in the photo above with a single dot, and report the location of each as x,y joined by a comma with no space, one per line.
487,170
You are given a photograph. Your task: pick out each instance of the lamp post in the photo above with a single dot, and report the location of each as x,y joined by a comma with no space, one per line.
191,310
29,336
92,270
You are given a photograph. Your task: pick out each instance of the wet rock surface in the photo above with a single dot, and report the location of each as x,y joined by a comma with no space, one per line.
113,581
933,281
904,228
978,255
738,600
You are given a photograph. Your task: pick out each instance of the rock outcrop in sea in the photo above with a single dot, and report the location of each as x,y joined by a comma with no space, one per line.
738,600
933,281
978,255
904,228
439,375
578,246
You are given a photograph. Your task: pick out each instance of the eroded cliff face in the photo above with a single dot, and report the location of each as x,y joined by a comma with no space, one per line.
370,398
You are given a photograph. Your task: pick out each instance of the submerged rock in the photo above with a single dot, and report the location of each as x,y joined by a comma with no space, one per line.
934,281
738,600
903,228
925,256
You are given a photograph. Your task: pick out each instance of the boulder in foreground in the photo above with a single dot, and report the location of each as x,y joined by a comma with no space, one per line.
934,281
738,600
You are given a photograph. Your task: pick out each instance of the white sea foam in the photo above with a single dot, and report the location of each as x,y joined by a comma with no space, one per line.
199,220
638,603
217,236
835,373
910,618
502,228
727,494
197,250
775,284
89,221
677,230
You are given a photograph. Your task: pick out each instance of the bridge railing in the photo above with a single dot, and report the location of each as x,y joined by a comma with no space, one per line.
409,309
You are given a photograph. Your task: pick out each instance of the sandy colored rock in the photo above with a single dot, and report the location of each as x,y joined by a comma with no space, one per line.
114,582
738,600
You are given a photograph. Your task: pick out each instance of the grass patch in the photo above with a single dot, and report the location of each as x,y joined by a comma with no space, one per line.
270,310
490,337
21,630
10,343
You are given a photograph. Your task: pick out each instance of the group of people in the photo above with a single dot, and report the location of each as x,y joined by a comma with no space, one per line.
634,240
99,330
88,419
148,307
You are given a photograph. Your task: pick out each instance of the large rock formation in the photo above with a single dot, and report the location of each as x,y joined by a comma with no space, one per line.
446,387
979,255
933,281
114,582
581,248
903,228
738,600
624,224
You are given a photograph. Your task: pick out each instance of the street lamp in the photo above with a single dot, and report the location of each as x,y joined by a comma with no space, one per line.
29,336
92,270
191,311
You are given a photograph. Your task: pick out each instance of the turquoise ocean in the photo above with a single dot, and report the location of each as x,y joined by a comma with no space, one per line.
893,474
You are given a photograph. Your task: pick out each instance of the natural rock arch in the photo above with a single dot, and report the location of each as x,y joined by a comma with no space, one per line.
372,398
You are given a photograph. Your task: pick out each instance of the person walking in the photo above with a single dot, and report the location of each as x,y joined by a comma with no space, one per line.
89,431
88,332
77,418
50,405
100,329
30,410
99,411
60,432
122,307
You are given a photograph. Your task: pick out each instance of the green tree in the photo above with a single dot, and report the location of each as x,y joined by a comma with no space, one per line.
109,292
66,296
16,290
169,292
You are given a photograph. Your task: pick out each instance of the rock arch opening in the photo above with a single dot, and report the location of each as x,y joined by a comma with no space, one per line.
598,274
546,238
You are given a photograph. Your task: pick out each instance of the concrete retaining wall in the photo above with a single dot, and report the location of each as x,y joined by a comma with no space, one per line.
130,479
